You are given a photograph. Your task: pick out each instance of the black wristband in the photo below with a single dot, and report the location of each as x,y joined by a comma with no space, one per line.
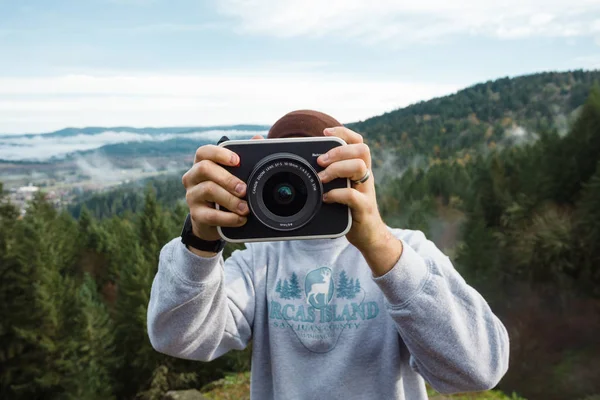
189,239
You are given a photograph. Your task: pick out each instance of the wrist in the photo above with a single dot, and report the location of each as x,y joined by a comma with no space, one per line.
201,253
382,252
205,232
197,242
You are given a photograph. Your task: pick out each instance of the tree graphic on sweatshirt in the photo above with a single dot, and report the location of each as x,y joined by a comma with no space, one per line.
294,291
289,290
347,288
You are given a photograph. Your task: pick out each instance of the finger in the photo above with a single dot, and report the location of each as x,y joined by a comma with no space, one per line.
352,198
212,217
353,169
209,191
207,170
255,137
360,150
217,154
344,133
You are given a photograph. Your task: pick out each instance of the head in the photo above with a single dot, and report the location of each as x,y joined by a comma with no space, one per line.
302,123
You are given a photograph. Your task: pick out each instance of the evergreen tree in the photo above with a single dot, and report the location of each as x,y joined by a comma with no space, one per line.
93,350
40,299
588,230
294,290
350,293
285,290
342,287
153,227
278,288
357,286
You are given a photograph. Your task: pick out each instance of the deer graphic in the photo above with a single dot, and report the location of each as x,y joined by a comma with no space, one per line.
320,288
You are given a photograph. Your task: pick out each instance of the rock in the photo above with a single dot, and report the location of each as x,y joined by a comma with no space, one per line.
191,394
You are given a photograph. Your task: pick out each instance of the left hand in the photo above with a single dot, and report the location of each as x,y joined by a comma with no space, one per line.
352,162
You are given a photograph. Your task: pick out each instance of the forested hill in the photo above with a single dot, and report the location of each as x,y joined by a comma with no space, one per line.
484,115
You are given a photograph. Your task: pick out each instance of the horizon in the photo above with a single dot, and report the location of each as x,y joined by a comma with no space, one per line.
242,123
189,63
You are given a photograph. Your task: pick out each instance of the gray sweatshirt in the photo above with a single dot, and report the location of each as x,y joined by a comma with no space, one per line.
323,327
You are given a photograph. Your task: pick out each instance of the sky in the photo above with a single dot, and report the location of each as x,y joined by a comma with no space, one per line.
198,63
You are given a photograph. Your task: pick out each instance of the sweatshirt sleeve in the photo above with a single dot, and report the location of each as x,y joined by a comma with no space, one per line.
456,342
200,308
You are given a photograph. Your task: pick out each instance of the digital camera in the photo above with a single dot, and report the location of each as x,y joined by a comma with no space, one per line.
284,192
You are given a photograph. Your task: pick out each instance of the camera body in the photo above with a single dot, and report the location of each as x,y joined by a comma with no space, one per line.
284,192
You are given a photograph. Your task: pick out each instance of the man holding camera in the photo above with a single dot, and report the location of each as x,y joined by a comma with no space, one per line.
369,315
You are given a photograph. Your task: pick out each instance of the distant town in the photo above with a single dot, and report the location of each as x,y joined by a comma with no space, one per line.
64,182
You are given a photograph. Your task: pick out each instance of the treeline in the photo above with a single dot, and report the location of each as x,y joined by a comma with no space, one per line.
130,199
484,115
529,241
522,225
73,300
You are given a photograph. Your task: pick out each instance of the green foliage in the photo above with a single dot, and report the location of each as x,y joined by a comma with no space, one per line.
527,238
129,198
73,303
521,223
479,115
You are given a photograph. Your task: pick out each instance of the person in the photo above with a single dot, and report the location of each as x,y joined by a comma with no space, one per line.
369,315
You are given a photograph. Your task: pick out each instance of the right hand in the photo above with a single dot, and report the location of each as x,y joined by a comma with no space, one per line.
207,183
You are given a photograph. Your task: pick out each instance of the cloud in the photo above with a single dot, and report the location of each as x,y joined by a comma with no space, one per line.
43,148
34,104
405,22
98,168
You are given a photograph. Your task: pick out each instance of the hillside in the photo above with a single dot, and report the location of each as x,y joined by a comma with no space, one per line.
485,115
520,225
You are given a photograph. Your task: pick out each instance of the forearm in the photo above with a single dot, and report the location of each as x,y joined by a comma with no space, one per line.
189,311
456,342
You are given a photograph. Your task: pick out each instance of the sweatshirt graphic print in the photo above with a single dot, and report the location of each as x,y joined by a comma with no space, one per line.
320,310
323,327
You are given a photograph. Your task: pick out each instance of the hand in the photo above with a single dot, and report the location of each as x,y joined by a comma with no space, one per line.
368,233
207,183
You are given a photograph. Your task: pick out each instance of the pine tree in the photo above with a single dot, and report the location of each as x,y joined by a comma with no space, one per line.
357,286
342,288
350,289
278,288
153,227
294,290
41,301
285,290
588,233
93,351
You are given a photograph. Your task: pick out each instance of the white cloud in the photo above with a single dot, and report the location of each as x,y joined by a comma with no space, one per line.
42,147
405,22
47,103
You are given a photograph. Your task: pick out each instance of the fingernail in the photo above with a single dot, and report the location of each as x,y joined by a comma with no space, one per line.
239,188
324,196
324,157
329,131
235,160
242,207
322,176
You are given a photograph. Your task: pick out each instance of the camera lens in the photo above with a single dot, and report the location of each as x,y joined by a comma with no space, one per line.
284,191
284,194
